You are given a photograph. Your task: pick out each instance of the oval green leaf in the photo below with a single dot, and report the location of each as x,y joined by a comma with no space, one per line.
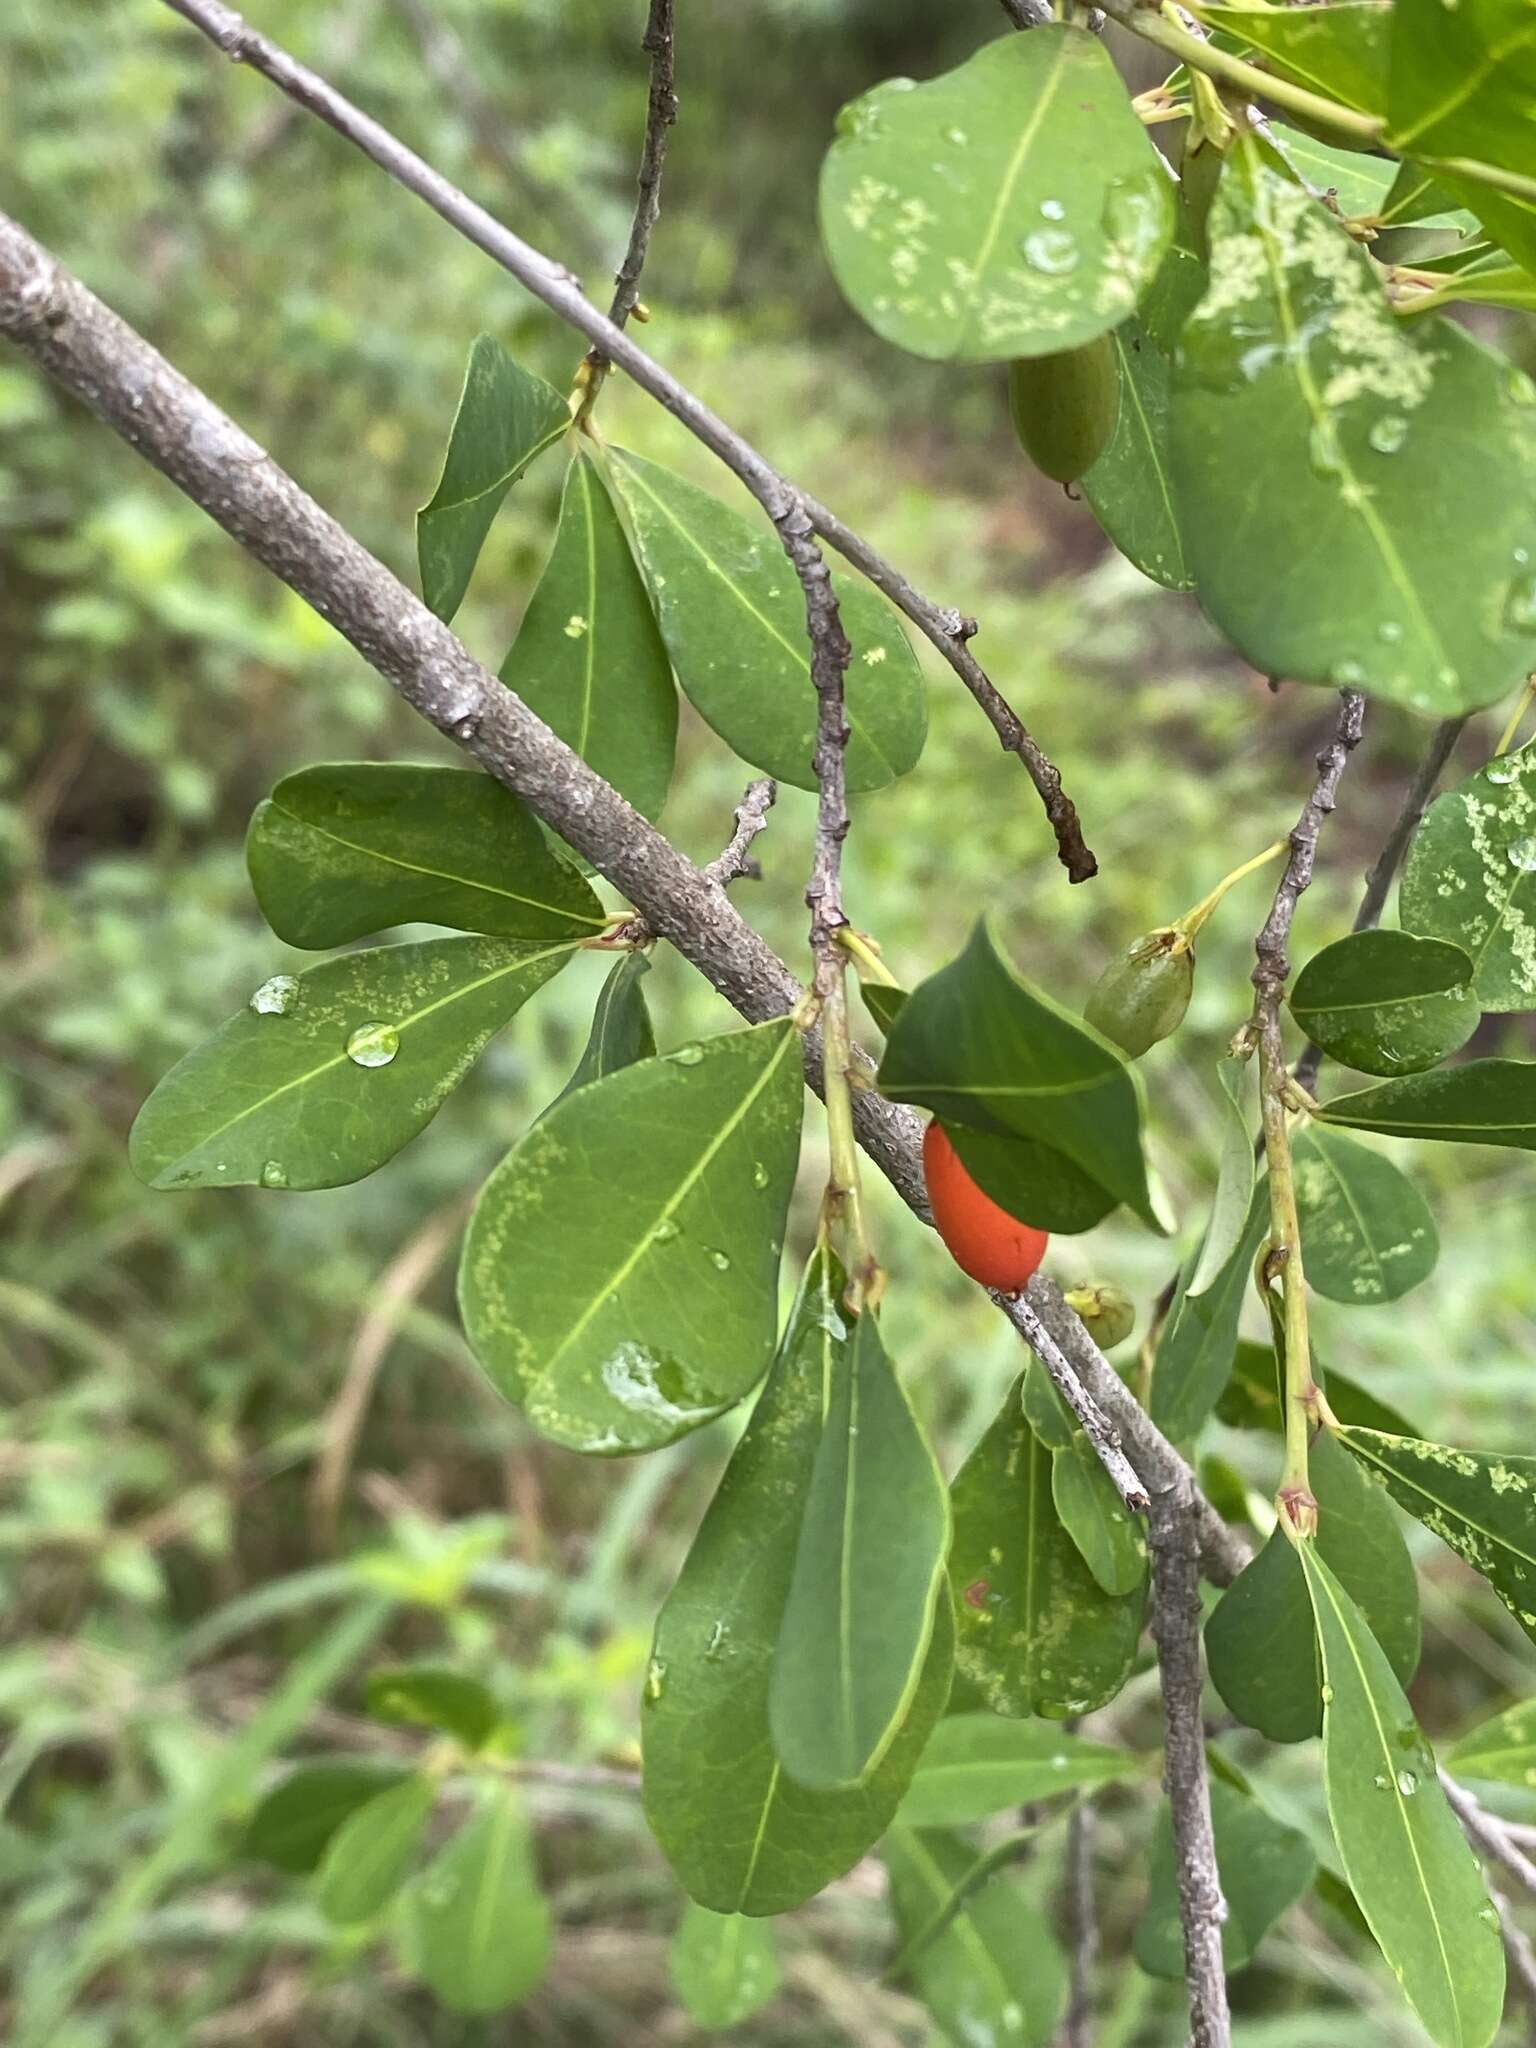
368,1857
620,1274
869,1567
295,1820
1235,1174
724,1967
1130,487
506,417
992,1977
741,1835
984,1049
621,1030
1485,1102
1198,1340
588,657
1264,1866
434,1696
1462,83
353,847
1387,1002
975,1765
732,614
479,1932
276,1099
1260,1642
1035,1632
1406,1859
1108,1536
1477,1503
1012,207
1471,878
1367,1234
1338,51
1396,463
1503,1749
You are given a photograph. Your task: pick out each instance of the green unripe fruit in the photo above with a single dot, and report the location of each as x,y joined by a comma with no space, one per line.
1106,1311
1065,406
1141,997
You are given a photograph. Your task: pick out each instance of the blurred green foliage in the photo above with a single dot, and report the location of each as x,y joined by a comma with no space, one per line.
236,1418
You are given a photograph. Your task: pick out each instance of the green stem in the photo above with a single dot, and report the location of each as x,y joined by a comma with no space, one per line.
1507,738
844,1197
1295,1499
867,958
1192,920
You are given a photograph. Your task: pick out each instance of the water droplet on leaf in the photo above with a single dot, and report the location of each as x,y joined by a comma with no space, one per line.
720,1261
1499,773
1407,1783
665,1231
686,1055
274,1174
373,1045
1052,251
1522,855
1053,209
276,996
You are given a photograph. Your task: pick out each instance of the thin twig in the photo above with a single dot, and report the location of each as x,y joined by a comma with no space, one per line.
1271,972
70,335
1082,1926
1100,1432
1489,1834
734,861
1027,13
784,502
661,112
1378,883
1176,1630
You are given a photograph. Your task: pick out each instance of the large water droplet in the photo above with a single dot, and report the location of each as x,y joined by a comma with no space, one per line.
373,1045
1522,855
1500,772
274,1174
1407,1783
276,996
686,1055
1388,433
1520,605
1052,251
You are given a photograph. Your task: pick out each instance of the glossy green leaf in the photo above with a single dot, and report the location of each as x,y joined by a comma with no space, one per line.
732,614
993,1978
1470,878
1235,1176
325,1075
1012,207
1130,487
1108,1536
434,1696
1367,1234
1390,467
479,1930
1495,282
984,1049
620,1274
1032,1181
621,1026
882,1002
295,1820
869,1568
1264,1865
1477,1503
1260,1642
1339,51
1502,1750
724,1966
1198,1341
741,1835
506,417
588,657
1463,81
1485,1102
1415,199
353,847
368,1858
1036,1633
1387,1002
1403,1850
1252,1399
975,1765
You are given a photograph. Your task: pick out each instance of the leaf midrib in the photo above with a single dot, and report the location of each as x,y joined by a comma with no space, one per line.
1466,87
1049,88
1351,1440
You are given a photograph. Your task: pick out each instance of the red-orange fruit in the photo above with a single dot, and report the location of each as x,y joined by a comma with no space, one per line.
983,1239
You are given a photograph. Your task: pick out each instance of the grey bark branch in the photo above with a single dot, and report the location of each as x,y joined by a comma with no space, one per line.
551,282
1488,1834
661,112
1176,1630
83,346
1097,1427
734,858
1378,883
1273,966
